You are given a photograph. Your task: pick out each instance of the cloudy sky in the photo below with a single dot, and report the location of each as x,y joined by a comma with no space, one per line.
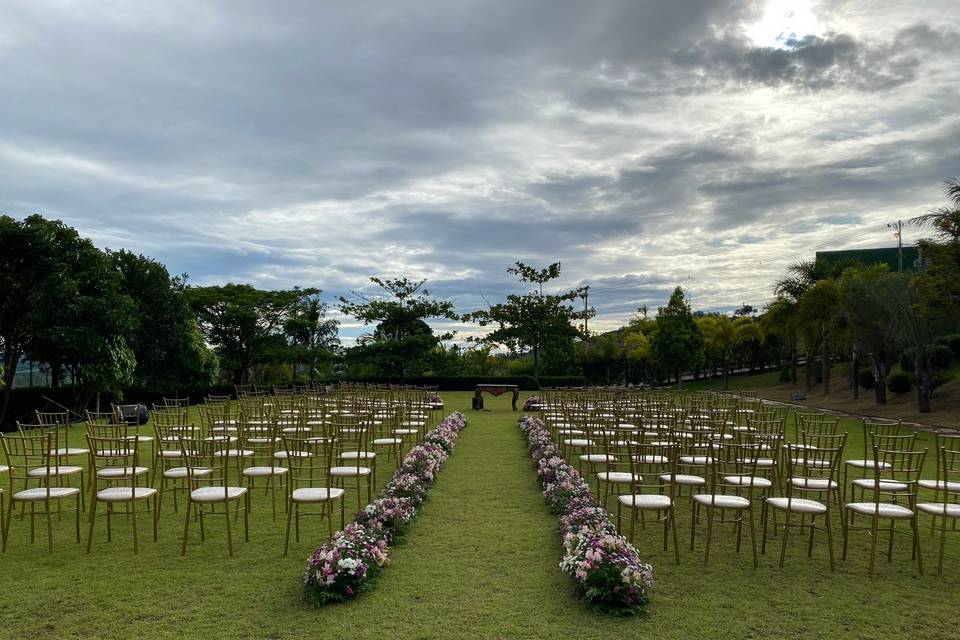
644,144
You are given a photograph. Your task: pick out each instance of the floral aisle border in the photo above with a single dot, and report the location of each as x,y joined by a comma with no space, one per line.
605,568
352,558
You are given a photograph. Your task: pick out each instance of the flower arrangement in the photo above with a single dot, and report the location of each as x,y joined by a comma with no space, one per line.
605,568
348,562
434,400
532,403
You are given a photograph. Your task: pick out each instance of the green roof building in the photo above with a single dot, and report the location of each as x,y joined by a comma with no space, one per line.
884,255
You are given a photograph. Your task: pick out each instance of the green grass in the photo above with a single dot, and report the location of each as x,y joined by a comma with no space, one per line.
480,561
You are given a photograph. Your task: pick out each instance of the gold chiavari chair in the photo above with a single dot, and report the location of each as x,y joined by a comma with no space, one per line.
351,454
812,473
210,490
23,454
888,475
649,491
117,460
60,470
263,445
172,468
58,424
864,464
311,483
946,488
891,502
726,493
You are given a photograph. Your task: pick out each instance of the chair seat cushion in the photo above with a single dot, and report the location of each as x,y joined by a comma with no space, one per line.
171,453
619,476
949,509
598,457
798,505
125,494
183,472
696,460
69,451
952,487
285,454
387,441
358,455
814,484
316,494
40,493
233,453
884,509
746,481
578,442
650,459
349,472
121,472
885,485
651,501
721,501
683,478
258,472
867,464
406,432
62,470
217,494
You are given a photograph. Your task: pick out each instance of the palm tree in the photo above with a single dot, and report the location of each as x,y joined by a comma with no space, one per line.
945,221
723,333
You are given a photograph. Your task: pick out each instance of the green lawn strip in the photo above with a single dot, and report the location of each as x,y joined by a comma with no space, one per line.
480,561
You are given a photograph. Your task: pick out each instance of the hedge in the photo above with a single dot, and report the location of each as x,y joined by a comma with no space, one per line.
469,383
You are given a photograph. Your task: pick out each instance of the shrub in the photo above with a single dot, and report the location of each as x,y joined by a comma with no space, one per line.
952,342
867,380
906,361
940,378
941,356
785,374
900,382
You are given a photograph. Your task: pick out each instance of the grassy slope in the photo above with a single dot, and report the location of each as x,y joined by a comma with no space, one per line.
479,562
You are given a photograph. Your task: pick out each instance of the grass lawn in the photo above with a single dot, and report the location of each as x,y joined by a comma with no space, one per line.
480,561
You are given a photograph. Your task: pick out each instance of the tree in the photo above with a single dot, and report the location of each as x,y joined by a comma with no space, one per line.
945,221
816,312
402,335
915,331
170,351
534,321
313,336
779,320
244,324
724,333
865,302
677,343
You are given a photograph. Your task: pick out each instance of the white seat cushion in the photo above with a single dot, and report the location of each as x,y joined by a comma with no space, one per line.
815,484
598,457
233,453
257,472
69,451
121,472
683,478
125,494
358,455
349,472
651,501
812,463
952,487
570,432
62,470
316,494
578,442
284,455
171,453
696,460
867,464
4,468
405,432
885,485
183,472
650,459
387,441
40,493
746,481
798,505
951,510
217,494
619,476
885,509
722,502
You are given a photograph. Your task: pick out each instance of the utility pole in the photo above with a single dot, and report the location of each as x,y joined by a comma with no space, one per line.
586,294
899,234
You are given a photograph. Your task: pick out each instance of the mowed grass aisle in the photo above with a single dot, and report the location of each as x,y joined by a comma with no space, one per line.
480,561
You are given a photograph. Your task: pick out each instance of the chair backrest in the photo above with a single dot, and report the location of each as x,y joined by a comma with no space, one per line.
732,461
170,414
649,462
101,417
820,457
880,428
894,442
115,453
309,459
108,429
948,460
176,402
23,453
901,466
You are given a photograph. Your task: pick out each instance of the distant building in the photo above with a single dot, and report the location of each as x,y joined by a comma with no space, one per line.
884,255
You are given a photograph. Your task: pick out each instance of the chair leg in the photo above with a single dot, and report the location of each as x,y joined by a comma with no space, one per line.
673,526
93,518
246,520
846,537
710,515
186,529
786,534
133,514
833,566
76,516
286,541
874,532
916,541
156,518
50,527
943,540
226,512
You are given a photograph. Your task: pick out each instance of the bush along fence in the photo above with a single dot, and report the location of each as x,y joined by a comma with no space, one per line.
348,563
605,568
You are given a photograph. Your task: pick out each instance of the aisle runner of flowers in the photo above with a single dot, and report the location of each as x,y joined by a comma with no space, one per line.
352,558
605,568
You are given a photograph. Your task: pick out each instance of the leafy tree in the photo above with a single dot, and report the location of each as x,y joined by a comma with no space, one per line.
244,324
865,303
724,333
677,343
313,336
916,331
402,336
170,351
944,221
534,321
779,321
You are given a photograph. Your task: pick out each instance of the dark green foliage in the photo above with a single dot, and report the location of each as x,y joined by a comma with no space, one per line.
941,356
677,344
867,379
900,382
953,343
